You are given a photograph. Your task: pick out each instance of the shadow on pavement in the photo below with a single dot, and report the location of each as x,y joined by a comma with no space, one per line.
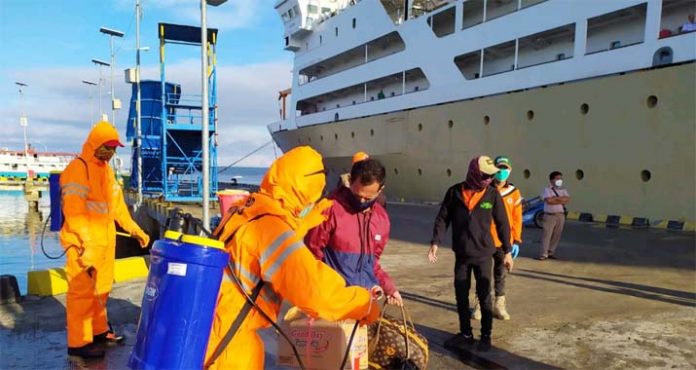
33,335
496,358
635,290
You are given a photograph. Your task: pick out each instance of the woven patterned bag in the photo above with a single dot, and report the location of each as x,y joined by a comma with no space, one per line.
393,344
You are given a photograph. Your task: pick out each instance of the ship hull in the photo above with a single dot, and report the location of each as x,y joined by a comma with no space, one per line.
625,143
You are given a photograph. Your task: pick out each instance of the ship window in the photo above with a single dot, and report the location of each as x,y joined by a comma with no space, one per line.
352,134
617,29
321,137
336,31
584,108
473,13
312,9
526,173
449,172
546,47
393,93
528,3
396,171
486,120
420,172
442,23
579,174
335,136
321,39
652,101
499,8
530,115
354,22
291,13
499,58
420,127
645,175
450,123
372,132
325,10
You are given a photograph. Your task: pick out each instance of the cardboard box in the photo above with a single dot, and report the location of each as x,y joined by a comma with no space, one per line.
322,344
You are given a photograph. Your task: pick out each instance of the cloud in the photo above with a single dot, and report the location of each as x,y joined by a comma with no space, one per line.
234,14
58,105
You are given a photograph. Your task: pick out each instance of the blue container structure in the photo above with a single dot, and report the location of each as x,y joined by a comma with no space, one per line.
54,193
171,124
179,303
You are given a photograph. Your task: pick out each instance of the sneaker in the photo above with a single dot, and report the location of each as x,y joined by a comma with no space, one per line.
499,310
475,311
541,258
109,337
553,257
459,340
90,350
484,344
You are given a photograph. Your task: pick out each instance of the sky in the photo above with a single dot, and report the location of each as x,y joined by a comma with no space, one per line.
49,45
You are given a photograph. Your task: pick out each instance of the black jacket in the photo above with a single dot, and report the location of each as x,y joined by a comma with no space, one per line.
471,230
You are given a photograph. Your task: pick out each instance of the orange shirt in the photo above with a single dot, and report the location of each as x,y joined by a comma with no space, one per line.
472,197
513,207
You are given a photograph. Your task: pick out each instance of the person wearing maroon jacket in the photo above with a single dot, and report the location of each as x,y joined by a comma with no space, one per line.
356,231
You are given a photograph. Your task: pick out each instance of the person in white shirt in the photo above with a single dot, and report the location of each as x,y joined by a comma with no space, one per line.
555,198
689,26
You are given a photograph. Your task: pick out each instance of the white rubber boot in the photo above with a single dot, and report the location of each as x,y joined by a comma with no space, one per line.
499,311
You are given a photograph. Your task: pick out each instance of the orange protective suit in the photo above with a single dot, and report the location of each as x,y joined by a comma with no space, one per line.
512,198
265,243
92,201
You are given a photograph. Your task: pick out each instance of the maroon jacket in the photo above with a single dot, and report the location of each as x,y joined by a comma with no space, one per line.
352,242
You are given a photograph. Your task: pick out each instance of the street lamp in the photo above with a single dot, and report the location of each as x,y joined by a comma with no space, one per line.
23,116
89,94
101,64
112,33
204,110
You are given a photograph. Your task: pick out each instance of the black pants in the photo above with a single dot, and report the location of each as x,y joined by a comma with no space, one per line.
499,272
462,283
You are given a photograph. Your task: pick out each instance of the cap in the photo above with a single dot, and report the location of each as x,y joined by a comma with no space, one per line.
113,143
486,165
503,161
360,156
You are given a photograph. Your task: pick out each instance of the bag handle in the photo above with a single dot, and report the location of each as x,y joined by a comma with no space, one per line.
406,319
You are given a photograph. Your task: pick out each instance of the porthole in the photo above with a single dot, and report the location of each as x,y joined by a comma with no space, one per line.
396,171
526,173
579,174
584,108
309,139
449,173
450,123
420,172
321,137
335,136
372,132
530,115
486,120
352,134
420,127
645,175
652,101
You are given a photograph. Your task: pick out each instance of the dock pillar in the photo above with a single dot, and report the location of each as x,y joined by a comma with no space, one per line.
32,194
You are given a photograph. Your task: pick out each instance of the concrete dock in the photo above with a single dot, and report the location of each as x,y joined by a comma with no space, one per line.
617,299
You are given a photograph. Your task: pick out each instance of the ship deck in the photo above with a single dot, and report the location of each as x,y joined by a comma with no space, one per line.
618,298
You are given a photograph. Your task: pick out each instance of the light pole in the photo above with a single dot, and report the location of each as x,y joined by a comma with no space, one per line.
112,33
89,97
23,121
138,117
205,133
101,64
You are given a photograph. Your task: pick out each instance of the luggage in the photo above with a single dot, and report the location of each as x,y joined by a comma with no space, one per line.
395,344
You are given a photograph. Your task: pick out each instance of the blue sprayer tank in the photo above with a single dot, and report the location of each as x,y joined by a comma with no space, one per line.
179,302
54,192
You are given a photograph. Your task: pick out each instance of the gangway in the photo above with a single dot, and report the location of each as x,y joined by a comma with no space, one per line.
171,122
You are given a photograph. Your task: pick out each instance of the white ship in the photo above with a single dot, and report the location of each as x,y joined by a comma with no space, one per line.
16,166
601,90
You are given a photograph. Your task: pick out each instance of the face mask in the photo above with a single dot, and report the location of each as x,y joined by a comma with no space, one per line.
305,211
358,205
502,175
558,183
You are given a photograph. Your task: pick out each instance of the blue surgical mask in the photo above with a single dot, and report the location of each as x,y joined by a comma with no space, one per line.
502,175
305,211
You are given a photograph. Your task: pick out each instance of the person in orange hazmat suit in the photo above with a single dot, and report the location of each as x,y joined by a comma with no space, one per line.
91,202
265,243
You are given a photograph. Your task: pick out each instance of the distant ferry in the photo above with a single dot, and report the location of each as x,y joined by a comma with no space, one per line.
601,90
16,166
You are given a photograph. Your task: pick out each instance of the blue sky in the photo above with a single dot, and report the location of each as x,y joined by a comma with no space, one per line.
49,44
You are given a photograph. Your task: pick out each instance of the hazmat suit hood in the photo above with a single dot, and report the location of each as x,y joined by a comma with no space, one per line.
101,133
293,184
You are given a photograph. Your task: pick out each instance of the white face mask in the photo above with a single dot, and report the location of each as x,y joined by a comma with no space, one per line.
558,183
